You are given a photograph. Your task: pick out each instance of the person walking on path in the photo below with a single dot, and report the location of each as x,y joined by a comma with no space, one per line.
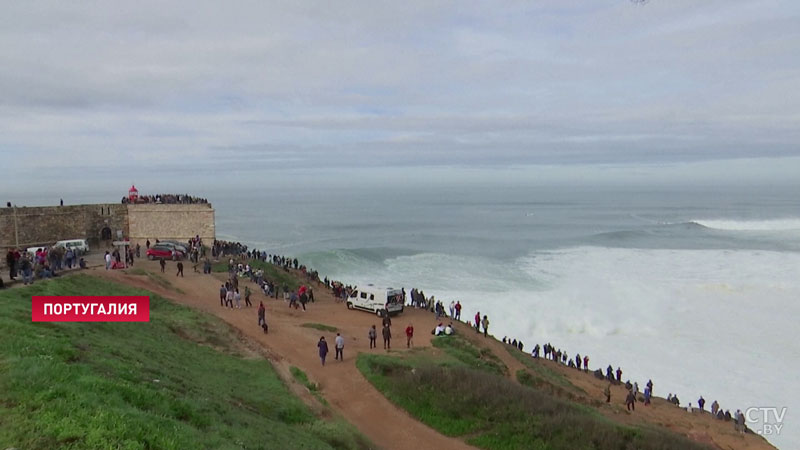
229,298
180,269
323,349
163,264
247,296
409,335
339,347
108,260
373,336
303,300
261,313
630,401
607,392
222,293
238,298
485,323
387,338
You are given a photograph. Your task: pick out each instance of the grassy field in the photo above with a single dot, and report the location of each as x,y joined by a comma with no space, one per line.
302,378
271,272
480,358
320,327
538,375
490,411
180,381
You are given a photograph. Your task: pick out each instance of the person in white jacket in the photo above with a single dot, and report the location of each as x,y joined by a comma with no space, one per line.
339,347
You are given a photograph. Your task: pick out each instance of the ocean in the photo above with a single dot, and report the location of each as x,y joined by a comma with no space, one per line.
692,283
693,286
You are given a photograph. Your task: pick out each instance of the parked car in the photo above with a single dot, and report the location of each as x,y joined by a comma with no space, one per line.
173,244
80,246
162,251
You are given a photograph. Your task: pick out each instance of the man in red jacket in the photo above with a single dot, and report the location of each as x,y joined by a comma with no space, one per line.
409,335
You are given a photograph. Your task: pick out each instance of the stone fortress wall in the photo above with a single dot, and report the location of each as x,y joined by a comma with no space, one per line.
176,222
99,224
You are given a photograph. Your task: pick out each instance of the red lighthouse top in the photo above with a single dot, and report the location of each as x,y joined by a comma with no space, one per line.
133,194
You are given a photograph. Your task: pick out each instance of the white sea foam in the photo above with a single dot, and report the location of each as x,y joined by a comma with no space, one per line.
752,225
717,323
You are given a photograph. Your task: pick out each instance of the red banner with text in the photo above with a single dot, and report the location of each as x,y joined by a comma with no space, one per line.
90,308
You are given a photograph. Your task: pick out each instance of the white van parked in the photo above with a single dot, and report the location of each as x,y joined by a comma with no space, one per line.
32,250
376,300
79,246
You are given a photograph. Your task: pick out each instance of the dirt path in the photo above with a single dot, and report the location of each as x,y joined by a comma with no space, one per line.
342,385
354,398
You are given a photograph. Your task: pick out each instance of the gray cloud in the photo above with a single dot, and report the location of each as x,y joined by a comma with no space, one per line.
198,86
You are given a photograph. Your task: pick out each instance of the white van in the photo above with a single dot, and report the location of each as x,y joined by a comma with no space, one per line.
32,250
80,246
376,300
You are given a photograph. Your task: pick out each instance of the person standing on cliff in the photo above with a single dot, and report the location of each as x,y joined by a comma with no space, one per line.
339,344
409,335
372,334
485,323
387,337
261,314
11,262
607,392
323,349
458,310
247,296
630,401
229,297
478,322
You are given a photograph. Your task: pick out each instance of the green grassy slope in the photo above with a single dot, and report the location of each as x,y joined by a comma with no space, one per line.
180,381
472,400
272,272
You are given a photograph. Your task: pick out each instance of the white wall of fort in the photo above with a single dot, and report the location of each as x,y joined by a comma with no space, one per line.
179,222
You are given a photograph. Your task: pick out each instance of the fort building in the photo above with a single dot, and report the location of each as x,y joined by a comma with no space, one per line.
100,224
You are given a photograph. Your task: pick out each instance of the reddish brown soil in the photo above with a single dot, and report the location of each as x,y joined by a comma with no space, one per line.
353,397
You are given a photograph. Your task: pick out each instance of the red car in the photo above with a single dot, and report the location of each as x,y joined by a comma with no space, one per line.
158,252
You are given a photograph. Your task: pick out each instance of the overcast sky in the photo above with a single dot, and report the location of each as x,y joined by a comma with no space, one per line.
196,86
